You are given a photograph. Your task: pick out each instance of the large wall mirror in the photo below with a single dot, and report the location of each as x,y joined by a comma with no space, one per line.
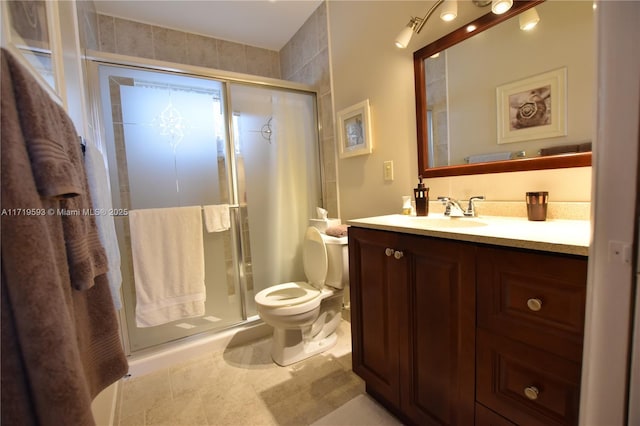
500,99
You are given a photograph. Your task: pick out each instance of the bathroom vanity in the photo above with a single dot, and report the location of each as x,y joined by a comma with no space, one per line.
472,320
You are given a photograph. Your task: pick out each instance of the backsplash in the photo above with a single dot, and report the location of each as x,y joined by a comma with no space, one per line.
555,210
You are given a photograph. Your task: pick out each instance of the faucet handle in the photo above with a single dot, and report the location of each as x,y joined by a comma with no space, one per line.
446,204
471,207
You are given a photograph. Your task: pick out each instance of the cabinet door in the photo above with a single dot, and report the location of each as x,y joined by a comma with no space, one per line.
438,367
376,281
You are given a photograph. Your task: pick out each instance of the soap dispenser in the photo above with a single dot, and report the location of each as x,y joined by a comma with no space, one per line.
421,195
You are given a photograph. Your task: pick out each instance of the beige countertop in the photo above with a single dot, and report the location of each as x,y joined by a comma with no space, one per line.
552,235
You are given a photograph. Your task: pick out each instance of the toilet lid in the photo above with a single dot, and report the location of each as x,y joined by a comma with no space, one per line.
286,294
314,257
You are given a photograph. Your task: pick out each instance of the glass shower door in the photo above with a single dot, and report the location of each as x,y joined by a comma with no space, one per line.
166,143
278,168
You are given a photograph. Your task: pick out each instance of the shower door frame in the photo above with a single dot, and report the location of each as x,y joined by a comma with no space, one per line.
93,59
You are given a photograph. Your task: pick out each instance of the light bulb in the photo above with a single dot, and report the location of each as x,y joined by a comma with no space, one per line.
449,10
528,19
501,6
403,39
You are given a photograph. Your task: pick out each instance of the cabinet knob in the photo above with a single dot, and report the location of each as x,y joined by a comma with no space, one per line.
531,392
389,251
534,304
398,254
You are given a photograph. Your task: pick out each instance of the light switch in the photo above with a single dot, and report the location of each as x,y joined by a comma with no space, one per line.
619,252
387,173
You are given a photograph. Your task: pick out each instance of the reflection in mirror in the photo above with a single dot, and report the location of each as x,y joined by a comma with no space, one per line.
508,99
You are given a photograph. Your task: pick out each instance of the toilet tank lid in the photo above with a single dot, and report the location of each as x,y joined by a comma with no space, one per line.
328,239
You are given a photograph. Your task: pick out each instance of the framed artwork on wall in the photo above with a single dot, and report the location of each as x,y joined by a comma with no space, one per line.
354,130
533,108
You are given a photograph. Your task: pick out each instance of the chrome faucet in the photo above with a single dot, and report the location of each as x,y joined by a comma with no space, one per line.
454,209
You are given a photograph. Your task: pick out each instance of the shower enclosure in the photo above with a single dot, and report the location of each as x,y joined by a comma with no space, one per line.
175,139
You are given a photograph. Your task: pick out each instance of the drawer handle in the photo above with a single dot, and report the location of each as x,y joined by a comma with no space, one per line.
534,304
531,392
398,254
389,252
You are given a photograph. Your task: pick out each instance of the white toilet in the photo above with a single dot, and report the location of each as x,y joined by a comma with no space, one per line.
305,315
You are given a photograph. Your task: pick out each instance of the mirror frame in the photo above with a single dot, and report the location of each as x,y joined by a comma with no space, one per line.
537,163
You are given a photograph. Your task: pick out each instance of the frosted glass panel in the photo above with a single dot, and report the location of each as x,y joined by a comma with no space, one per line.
166,144
171,146
279,178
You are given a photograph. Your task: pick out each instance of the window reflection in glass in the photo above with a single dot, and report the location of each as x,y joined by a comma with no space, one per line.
30,33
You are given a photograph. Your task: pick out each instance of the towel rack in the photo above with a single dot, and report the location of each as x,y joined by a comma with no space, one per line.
231,206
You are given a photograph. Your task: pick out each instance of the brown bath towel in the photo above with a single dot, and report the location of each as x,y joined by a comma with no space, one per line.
60,341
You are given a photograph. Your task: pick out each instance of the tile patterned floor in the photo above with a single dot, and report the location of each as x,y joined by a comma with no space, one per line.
242,386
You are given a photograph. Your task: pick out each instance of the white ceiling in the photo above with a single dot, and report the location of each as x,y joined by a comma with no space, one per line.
269,24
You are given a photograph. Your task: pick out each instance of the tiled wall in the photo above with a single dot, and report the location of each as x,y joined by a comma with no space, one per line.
131,38
304,59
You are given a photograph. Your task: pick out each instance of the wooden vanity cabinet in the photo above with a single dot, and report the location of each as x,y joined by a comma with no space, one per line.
530,334
454,333
413,324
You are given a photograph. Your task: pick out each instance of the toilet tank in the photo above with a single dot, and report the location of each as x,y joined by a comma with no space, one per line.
337,261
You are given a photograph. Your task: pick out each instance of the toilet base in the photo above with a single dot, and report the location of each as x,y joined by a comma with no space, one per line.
289,346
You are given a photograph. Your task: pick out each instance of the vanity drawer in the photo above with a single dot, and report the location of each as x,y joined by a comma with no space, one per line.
526,385
533,297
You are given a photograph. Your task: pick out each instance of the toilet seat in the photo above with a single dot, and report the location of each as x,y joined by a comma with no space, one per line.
286,294
289,299
295,297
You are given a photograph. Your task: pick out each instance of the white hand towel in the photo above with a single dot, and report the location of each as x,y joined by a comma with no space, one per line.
216,217
101,199
168,264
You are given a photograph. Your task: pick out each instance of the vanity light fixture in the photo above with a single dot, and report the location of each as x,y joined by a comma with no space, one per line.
449,13
501,6
449,10
528,19
414,26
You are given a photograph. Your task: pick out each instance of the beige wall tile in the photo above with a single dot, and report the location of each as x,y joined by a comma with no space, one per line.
169,45
321,22
320,63
202,51
232,56
106,34
133,38
308,39
286,61
260,62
